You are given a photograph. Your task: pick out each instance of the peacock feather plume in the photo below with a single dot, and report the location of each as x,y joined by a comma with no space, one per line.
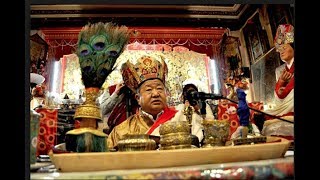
99,46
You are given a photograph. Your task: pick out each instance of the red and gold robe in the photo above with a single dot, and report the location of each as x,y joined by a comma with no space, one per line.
139,124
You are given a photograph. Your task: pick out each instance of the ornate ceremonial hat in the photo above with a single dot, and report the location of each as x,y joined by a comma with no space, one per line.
146,68
284,35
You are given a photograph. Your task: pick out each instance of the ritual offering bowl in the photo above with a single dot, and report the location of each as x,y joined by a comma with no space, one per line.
136,142
175,135
216,132
171,139
174,127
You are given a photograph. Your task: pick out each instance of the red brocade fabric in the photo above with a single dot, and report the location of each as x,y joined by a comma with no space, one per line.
232,116
47,130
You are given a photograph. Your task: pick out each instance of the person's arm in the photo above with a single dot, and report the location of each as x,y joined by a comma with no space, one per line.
284,85
108,102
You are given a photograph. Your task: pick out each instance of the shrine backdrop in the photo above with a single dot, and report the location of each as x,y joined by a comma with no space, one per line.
178,44
182,65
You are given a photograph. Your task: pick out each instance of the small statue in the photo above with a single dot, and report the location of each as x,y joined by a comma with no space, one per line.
232,93
243,109
230,85
188,111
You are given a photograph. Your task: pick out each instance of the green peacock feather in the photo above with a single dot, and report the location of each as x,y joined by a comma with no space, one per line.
99,46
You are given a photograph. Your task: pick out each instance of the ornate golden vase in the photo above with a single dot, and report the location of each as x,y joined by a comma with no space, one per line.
136,142
99,46
216,132
89,109
87,138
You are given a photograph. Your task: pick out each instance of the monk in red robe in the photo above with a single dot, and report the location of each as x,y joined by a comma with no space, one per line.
151,94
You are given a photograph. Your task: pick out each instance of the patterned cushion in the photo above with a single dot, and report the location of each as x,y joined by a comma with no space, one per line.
47,130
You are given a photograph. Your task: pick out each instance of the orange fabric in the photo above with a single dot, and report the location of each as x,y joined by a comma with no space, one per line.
232,116
47,130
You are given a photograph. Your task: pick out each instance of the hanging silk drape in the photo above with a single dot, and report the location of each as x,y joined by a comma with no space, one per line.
63,41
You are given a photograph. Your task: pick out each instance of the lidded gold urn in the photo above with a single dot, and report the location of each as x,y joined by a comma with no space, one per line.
175,135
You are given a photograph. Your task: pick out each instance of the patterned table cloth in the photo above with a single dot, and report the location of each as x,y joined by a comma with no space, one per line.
282,168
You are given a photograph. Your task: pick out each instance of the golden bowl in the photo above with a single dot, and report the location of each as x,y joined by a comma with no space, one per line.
136,142
174,127
181,138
